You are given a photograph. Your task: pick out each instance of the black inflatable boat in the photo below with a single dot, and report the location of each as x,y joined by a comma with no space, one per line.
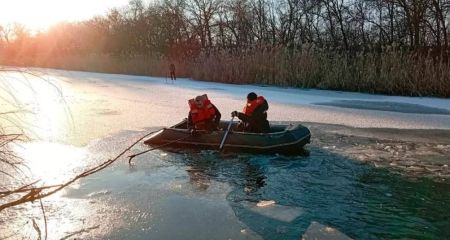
284,139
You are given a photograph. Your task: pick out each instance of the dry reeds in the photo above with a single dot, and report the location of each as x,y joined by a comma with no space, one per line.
391,71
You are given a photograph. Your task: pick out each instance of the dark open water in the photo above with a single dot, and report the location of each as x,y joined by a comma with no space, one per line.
208,195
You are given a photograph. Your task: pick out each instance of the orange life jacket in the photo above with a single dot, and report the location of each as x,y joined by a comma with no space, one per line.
252,105
201,115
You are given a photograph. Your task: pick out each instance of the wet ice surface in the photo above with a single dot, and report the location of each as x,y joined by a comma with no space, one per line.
104,103
373,178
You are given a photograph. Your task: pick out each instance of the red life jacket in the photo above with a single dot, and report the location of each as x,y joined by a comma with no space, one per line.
252,105
201,115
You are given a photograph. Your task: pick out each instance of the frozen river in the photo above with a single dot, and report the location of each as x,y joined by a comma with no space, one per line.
376,167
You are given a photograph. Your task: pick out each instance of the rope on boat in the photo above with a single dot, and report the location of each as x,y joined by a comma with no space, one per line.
160,146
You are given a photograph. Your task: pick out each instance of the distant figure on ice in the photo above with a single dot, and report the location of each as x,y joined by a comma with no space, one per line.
254,115
203,115
172,72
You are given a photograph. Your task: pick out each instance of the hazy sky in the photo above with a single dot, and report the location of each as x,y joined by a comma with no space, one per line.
36,14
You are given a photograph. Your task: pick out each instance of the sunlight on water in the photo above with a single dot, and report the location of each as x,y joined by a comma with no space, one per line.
39,106
49,119
52,162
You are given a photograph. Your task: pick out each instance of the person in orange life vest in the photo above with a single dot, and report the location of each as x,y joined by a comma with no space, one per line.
203,115
254,115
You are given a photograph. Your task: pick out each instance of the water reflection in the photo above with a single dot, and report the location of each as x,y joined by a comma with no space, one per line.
202,166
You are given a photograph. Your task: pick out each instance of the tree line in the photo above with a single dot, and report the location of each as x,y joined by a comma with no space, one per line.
218,34
174,27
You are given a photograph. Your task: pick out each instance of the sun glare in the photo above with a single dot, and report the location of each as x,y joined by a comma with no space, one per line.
44,112
52,163
41,14
44,117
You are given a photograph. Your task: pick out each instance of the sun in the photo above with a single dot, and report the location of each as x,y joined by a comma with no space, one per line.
38,15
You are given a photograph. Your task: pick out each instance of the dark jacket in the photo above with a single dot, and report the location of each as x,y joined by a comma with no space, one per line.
212,124
257,122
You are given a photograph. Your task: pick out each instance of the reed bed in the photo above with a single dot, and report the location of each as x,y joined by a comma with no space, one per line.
393,72
389,72
151,65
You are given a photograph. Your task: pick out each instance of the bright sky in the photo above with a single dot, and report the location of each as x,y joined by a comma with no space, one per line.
40,14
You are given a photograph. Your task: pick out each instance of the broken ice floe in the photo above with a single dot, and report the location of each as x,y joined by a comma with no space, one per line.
265,203
318,231
275,211
99,193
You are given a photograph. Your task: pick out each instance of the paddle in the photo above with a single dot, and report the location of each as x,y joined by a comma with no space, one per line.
226,134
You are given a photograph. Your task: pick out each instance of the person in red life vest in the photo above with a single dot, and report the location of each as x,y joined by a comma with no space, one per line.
254,115
203,115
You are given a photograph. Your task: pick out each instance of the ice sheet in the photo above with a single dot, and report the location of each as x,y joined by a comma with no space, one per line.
100,104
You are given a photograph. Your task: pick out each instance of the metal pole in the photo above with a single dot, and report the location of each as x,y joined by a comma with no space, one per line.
226,134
